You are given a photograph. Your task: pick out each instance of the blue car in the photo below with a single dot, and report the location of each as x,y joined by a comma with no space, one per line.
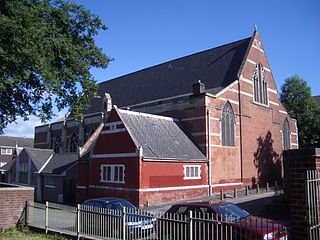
109,219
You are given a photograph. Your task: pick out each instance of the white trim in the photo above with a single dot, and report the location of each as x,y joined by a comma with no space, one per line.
45,164
50,186
81,187
246,80
215,119
118,130
150,189
293,133
272,90
231,101
252,62
147,115
226,88
226,184
294,144
284,112
193,118
273,103
112,123
112,173
116,155
258,48
191,167
267,69
246,94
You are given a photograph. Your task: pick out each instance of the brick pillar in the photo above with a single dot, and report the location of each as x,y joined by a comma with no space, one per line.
296,164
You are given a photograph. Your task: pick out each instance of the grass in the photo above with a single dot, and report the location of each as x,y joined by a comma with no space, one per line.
26,234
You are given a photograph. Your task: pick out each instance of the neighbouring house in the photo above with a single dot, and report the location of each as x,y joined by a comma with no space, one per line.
224,100
9,145
59,178
52,174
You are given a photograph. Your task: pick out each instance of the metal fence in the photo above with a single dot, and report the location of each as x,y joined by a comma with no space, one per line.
100,223
313,203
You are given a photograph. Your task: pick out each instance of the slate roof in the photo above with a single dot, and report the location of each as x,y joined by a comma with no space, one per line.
39,156
11,141
317,98
60,163
216,68
160,137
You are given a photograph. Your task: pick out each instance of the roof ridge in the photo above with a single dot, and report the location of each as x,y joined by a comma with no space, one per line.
172,60
38,149
149,115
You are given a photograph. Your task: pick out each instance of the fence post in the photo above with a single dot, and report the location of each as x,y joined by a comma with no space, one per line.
258,188
78,221
247,190
124,223
47,217
235,193
221,194
26,213
190,225
267,188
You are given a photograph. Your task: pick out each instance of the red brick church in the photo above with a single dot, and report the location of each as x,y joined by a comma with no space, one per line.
184,128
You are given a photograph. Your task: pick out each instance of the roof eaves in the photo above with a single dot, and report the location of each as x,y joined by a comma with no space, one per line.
45,164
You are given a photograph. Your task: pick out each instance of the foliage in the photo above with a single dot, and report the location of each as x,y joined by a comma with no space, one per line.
47,48
13,234
296,98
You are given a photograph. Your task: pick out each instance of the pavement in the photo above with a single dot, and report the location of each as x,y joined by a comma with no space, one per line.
241,198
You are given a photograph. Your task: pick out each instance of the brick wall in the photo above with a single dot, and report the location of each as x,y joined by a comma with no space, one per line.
297,162
12,202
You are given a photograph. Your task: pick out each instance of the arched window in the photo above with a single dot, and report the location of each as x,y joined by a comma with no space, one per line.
286,135
57,144
260,85
73,143
227,125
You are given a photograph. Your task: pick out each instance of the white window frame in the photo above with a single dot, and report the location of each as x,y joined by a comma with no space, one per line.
6,151
190,172
114,175
23,167
50,181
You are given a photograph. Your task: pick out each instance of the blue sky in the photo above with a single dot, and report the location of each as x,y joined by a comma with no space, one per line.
143,33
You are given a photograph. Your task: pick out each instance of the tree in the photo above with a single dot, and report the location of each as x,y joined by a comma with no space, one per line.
47,48
296,98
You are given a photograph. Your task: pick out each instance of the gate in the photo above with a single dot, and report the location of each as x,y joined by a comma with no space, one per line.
313,204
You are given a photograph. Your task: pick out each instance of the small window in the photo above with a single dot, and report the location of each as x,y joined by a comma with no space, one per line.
50,181
227,125
286,135
6,151
260,86
192,171
73,143
57,144
112,173
23,167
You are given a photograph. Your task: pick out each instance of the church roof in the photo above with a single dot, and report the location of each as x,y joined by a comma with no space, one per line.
39,156
60,162
161,138
216,68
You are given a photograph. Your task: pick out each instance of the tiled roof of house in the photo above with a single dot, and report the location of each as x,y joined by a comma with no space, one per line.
161,138
10,141
216,68
60,162
39,156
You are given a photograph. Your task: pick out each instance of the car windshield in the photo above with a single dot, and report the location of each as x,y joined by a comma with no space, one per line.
126,204
230,212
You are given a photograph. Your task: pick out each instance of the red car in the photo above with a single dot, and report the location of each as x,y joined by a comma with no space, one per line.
217,220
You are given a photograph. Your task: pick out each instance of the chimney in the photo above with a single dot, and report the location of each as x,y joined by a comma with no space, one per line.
107,103
198,88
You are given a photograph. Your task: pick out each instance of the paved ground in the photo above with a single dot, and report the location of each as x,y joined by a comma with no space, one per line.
265,204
